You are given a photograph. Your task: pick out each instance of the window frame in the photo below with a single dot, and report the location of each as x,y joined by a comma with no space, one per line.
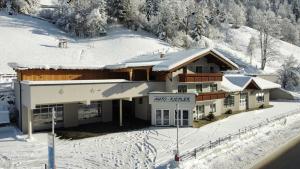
199,68
85,111
260,97
213,107
229,101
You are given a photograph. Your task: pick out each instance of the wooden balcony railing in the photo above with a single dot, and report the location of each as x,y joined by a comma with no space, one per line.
211,96
200,77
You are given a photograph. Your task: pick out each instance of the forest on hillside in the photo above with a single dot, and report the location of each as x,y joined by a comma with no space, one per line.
179,22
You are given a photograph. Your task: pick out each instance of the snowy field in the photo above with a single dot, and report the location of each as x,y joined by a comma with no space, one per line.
153,147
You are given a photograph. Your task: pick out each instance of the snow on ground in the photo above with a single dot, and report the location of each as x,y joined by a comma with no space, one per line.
36,42
146,148
244,152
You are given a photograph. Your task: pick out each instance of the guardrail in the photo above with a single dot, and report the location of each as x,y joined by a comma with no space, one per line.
211,144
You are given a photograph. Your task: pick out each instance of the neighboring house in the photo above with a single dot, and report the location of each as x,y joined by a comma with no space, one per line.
145,87
246,92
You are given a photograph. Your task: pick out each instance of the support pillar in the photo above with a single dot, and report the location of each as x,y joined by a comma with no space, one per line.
29,120
130,74
121,112
148,74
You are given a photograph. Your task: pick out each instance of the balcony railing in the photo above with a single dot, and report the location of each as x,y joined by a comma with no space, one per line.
210,96
200,77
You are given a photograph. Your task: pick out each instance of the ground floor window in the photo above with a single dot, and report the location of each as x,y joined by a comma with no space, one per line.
182,88
199,112
213,108
94,110
182,118
243,99
162,117
42,114
260,97
229,101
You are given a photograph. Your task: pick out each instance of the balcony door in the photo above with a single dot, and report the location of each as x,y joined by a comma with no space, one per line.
183,117
162,117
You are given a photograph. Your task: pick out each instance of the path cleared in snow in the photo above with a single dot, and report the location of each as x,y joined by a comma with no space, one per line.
146,148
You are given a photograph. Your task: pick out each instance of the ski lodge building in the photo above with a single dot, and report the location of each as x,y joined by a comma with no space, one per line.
148,87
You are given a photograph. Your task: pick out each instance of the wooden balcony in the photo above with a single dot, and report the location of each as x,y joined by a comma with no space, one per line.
211,96
200,77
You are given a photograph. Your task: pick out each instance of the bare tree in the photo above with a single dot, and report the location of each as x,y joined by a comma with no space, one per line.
268,26
251,48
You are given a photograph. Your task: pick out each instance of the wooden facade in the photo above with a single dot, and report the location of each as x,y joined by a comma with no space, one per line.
211,96
63,74
201,77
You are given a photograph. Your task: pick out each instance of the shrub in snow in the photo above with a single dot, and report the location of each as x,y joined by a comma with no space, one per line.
85,18
228,111
210,116
288,74
24,6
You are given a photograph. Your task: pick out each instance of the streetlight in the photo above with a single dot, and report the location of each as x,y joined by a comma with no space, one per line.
177,157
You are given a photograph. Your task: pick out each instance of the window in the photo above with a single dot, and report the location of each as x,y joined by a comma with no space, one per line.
229,101
213,108
182,118
42,114
199,88
182,88
243,99
212,69
199,112
260,97
213,87
162,117
141,100
199,69
94,110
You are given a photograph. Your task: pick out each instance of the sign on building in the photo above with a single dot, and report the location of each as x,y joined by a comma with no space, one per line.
176,98
51,155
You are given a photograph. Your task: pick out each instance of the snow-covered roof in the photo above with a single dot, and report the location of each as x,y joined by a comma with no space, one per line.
170,60
238,82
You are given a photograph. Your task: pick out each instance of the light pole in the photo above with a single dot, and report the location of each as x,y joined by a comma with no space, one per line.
177,158
53,120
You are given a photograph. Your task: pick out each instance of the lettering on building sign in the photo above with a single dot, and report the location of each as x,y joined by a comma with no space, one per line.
177,99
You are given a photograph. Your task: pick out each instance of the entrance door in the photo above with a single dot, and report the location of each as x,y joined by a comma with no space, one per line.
243,101
183,117
162,117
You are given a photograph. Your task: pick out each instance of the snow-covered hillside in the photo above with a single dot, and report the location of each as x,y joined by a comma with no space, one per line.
29,40
33,41
239,40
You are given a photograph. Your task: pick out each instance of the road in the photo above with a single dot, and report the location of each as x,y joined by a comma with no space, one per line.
288,159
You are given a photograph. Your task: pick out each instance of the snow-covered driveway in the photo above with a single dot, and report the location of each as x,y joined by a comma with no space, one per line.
147,148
